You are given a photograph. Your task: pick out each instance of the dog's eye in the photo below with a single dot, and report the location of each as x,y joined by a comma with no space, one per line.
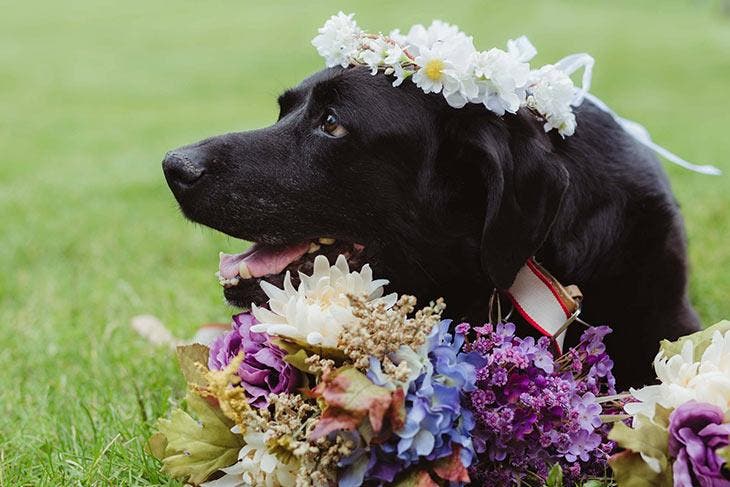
331,126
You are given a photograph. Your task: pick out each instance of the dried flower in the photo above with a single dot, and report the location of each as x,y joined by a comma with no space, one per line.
380,331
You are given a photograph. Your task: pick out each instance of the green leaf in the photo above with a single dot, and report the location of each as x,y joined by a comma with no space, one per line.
157,445
189,356
701,340
555,477
298,360
192,450
649,438
416,478
596,483
630,470
291,346
724,454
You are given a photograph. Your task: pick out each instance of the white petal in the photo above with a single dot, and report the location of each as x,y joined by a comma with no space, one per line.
342,265
314,338
269,463
272,291
321,265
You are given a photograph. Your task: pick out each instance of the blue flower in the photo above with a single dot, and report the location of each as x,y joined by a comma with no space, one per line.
435,421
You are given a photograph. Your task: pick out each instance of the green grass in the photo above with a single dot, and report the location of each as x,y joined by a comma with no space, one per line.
93,93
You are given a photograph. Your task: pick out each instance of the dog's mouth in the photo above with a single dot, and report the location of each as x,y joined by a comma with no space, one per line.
241,274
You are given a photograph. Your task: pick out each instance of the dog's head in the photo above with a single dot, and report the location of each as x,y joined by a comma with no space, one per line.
440,201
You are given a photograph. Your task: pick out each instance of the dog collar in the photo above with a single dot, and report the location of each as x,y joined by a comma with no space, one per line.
543,302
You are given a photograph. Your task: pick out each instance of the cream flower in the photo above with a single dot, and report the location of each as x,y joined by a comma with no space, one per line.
316,311
683,379
256,467
338,40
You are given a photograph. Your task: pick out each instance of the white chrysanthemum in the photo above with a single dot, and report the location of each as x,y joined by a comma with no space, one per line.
551,93
683,379
316,312
502,80
338,40
256,466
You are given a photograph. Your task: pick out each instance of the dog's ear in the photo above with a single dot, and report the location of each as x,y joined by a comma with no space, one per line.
525,183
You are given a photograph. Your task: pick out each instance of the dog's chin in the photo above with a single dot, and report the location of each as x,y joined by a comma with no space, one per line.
244,288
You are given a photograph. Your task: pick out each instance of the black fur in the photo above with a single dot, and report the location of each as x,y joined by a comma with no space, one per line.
452,202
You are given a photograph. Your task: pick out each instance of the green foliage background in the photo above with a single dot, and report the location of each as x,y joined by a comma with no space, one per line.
92,94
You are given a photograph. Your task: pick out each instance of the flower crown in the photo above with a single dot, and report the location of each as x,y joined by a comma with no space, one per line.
442,59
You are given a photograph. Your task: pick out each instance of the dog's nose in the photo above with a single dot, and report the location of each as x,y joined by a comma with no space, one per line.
181,168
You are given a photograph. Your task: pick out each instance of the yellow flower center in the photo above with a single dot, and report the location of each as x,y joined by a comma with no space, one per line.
433,69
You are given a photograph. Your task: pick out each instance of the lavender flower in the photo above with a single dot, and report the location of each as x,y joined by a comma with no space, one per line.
696,432
263,370
533,410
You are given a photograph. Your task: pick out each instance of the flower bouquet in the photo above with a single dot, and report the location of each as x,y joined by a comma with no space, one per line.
333,383
679,430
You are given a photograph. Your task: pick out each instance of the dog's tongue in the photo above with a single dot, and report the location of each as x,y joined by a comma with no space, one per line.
261,259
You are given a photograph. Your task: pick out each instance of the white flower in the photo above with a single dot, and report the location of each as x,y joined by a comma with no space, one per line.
394,56
338,40
683,379
374,54
551,93
256,467
502,79
420,37
446,65
442,59
316,312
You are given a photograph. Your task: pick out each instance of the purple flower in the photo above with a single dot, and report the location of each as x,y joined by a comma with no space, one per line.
696,432
263,370
533,410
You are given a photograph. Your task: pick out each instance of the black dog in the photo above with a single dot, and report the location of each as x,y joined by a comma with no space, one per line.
447,202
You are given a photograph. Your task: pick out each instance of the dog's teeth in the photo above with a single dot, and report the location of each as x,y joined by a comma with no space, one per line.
326,240
313,247
226,282
243,271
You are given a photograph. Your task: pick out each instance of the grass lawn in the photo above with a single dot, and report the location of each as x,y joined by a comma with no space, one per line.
92,93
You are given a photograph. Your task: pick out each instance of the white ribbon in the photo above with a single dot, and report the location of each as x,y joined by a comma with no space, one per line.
571,64
574,62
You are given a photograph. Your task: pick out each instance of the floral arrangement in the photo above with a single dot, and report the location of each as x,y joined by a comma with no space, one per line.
442,59
679,430
333,383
